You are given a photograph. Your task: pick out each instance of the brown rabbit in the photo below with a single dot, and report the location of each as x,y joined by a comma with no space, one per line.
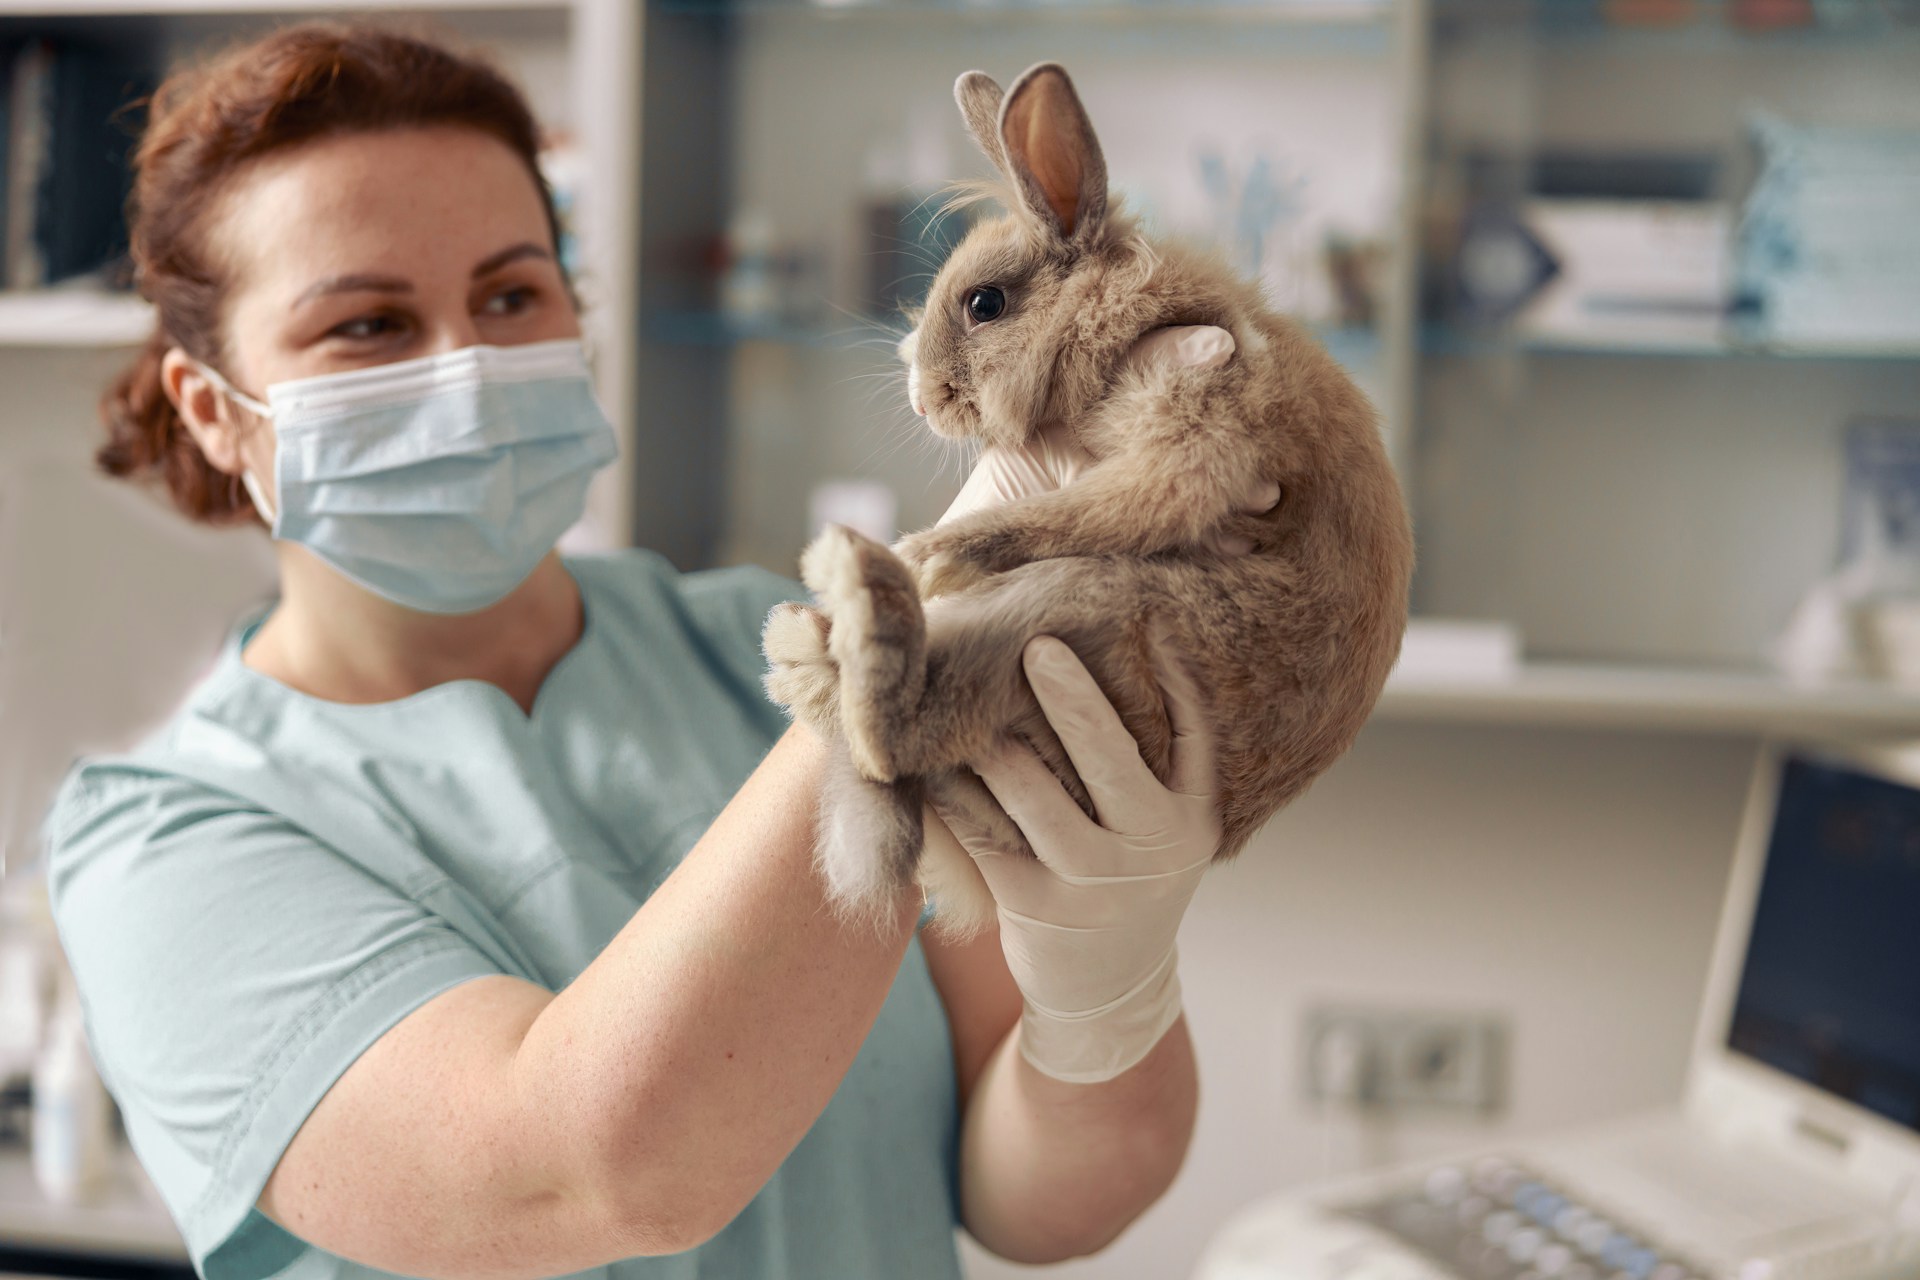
1029,323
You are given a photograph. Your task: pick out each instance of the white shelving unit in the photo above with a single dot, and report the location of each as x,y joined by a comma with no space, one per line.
593,87
73,318
196,8
1593,695
1442,342
1643,506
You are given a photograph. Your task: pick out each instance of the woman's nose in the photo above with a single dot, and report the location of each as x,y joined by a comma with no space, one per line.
454,333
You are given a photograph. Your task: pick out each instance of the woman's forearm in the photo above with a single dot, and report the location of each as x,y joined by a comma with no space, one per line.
697,1049
1051,1171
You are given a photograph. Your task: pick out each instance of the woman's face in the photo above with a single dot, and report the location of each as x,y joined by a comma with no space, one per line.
365,249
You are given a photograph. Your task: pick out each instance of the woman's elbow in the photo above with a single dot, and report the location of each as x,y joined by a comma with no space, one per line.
667,1208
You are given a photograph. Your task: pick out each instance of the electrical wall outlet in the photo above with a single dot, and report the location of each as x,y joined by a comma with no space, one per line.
1405,1060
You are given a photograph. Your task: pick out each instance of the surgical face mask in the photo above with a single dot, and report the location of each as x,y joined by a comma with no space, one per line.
438,483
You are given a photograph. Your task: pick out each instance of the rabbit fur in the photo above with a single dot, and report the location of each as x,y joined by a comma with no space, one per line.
911,663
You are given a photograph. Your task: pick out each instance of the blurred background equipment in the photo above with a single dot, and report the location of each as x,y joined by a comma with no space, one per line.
1797,1150
1863,619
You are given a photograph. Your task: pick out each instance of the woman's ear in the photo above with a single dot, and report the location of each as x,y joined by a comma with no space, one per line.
1052,154
209,416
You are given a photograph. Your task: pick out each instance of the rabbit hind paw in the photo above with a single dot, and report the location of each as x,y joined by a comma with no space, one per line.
877,639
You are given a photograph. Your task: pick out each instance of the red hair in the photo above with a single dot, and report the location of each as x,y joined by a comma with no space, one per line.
204,125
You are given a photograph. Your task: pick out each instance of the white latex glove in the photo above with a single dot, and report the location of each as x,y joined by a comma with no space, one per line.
1088,929
1052,458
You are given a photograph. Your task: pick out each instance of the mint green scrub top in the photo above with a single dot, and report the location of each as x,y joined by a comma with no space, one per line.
257,891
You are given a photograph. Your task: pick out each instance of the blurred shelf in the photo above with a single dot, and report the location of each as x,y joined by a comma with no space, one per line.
1352,347
717,329
1293,13
1702,26
188,8
1695,700
73,318
1447,340
128,1220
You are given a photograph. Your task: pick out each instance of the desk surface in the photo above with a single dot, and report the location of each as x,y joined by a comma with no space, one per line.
128,1218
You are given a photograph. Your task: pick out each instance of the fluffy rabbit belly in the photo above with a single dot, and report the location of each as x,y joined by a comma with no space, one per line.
911,693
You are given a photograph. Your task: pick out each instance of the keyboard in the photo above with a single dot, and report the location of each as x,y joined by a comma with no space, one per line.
1495,1219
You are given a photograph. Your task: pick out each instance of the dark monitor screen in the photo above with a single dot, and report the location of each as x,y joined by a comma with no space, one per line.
1830,993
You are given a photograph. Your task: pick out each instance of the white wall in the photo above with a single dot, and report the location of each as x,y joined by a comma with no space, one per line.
110,602
1567,880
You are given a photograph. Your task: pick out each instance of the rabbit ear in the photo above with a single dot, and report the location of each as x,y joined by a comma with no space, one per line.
979,99
1052,155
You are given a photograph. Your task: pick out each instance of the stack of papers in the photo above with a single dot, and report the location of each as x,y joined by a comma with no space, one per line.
1630,270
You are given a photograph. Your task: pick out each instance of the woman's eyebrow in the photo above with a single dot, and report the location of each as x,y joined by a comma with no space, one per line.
352,284
361,283
494,261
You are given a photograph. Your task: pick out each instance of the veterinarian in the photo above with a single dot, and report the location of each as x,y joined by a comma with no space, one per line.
462,919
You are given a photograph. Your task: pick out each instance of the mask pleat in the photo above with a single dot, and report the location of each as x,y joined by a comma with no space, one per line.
442,498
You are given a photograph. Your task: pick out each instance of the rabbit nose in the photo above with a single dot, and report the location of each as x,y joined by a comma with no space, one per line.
933,395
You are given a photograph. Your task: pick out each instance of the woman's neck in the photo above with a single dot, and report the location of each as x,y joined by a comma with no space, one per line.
331,639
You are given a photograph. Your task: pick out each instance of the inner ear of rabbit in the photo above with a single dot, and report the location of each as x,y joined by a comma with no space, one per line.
1044,153
1052,151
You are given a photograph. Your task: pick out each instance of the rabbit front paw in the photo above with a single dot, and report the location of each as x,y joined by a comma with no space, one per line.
942,563
802,676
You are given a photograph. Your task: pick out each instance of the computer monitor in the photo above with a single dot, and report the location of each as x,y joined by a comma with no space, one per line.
1830,992
1809,1037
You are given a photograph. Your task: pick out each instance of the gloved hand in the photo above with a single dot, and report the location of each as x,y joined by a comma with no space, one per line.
1088,929
1051,457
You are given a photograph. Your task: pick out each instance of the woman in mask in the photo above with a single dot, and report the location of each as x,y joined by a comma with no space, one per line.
462,920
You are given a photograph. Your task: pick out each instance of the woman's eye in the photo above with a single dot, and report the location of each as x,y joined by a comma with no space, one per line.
985,303
509,301
364,327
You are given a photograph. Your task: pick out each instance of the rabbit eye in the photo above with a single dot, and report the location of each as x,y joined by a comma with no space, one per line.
985,303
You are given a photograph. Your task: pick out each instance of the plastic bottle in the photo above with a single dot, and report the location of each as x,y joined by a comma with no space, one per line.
72,1136
25,985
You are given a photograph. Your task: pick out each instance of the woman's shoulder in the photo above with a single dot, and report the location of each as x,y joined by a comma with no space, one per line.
138,784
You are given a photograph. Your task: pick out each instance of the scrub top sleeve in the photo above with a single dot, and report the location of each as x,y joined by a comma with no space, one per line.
732,606
230,968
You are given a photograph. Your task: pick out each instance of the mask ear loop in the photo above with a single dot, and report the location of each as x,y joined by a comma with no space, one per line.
259,410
